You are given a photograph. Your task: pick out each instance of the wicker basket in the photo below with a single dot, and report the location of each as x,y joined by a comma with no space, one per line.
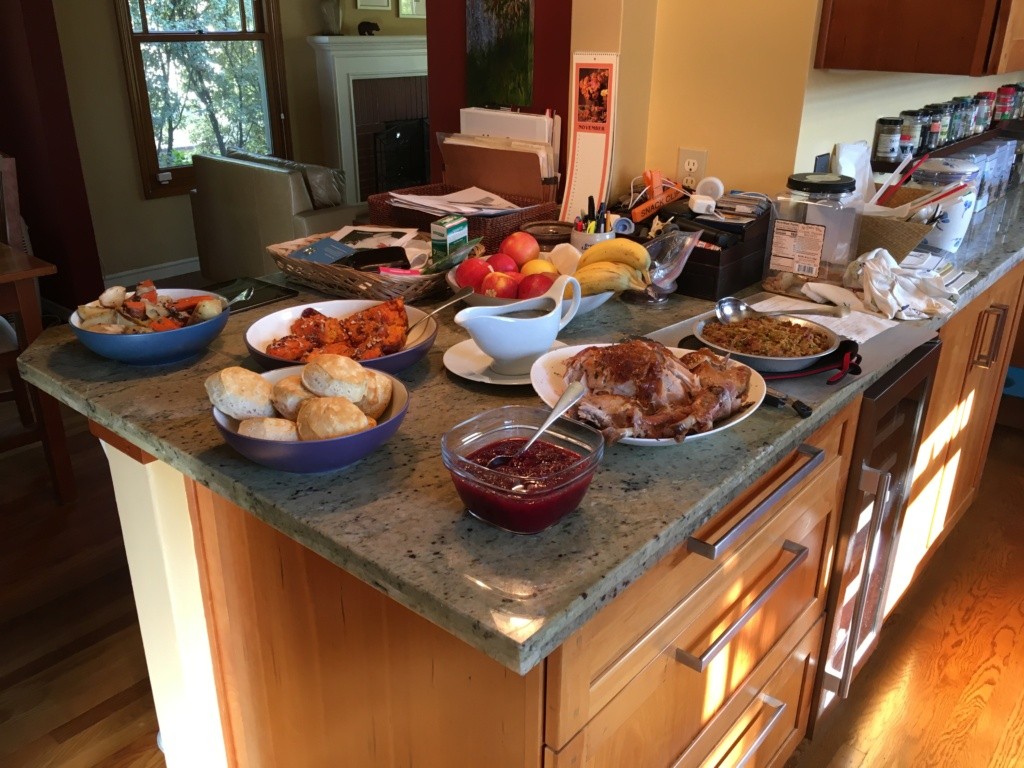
349,283
493,229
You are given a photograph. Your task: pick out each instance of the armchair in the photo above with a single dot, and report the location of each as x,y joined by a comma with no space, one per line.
240,206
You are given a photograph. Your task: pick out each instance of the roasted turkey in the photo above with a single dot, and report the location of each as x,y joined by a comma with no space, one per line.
640,389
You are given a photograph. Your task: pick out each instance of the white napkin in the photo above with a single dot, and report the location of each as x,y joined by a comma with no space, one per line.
901,293
827,293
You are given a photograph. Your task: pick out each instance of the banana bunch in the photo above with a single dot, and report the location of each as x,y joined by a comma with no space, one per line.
600,276
618,250
614,265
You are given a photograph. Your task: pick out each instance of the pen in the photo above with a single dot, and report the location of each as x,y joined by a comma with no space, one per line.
600,218
590,208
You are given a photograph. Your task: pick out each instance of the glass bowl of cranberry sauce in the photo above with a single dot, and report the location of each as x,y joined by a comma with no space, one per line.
533,491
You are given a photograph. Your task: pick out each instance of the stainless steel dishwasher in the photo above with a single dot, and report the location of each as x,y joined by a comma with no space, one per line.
885,449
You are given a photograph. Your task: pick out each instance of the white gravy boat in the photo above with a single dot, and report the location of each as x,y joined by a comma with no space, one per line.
515,335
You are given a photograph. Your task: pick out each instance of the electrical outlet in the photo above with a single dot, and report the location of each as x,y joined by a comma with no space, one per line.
692,165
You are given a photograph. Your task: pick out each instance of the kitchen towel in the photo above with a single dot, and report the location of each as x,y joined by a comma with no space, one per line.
899,293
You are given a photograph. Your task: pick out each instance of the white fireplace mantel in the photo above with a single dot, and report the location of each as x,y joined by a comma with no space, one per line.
339,61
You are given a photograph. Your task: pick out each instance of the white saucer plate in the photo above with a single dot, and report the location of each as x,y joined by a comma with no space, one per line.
546,378
468,361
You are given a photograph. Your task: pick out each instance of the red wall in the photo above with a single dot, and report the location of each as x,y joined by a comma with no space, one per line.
446,64
36,129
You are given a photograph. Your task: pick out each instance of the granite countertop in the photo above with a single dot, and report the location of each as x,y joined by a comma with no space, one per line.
394,519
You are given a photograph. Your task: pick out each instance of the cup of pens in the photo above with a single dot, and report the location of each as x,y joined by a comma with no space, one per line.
581,239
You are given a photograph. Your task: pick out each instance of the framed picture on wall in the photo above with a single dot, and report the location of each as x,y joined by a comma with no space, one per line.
412,9
373,5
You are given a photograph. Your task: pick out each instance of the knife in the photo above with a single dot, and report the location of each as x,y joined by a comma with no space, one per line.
779,399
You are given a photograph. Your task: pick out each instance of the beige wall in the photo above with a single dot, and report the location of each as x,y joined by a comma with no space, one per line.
131,231
729,78
624,27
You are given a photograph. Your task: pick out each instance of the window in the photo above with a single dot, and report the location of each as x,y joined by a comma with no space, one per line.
203,76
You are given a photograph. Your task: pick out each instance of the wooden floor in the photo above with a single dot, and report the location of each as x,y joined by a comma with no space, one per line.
945,688
73,683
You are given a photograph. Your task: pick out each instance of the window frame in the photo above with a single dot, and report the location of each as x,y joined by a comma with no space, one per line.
267,30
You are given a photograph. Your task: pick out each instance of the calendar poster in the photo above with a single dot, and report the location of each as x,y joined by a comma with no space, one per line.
590,131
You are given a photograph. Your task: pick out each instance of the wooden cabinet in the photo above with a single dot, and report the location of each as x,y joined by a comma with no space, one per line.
711,655
712,652
981,37
958,425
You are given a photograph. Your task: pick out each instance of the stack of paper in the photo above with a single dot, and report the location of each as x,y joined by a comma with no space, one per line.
954,278
467,202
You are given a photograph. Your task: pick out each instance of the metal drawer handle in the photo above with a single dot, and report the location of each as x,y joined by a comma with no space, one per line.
990,358
712,550
770,705
774,708
701,662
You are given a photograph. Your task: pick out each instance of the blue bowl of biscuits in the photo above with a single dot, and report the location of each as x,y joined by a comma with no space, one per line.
317,417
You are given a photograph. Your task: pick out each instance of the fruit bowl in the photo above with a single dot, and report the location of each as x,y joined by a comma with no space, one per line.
521,503
587,303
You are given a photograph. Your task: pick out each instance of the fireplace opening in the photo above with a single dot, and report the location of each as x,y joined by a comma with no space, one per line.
392,131
402,154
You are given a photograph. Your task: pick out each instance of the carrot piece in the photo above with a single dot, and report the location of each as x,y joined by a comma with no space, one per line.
146,291
165,324
134,308
188,303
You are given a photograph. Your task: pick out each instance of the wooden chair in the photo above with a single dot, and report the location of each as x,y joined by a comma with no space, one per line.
19,297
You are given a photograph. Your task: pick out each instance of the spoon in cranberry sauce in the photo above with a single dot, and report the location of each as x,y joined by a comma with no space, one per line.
569,398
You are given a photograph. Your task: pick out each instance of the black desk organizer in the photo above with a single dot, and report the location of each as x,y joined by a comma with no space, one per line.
711,274
844,360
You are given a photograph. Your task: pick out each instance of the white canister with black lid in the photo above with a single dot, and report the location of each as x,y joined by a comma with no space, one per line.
953,216
814,233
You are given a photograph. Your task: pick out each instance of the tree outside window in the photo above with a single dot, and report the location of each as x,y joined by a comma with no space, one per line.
204,76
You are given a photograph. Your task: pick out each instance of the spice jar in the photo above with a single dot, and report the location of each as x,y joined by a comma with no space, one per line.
912,132
986,109
932,128
944,110
814,232
963,117
886,146
1006,95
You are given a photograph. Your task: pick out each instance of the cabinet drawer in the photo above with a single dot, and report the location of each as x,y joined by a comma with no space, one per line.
764,721
770,589
600,659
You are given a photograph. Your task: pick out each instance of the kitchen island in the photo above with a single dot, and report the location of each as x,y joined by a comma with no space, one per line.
413,627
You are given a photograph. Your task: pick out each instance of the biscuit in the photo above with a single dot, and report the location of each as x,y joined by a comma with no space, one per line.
268,429
240,393
378,394
335,376
325,417
288,395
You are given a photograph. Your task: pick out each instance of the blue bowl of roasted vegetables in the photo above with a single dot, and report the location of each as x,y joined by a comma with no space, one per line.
147,326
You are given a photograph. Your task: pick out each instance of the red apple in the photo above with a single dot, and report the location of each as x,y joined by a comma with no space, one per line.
521,246
536,285
502,262
499,285
472,272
